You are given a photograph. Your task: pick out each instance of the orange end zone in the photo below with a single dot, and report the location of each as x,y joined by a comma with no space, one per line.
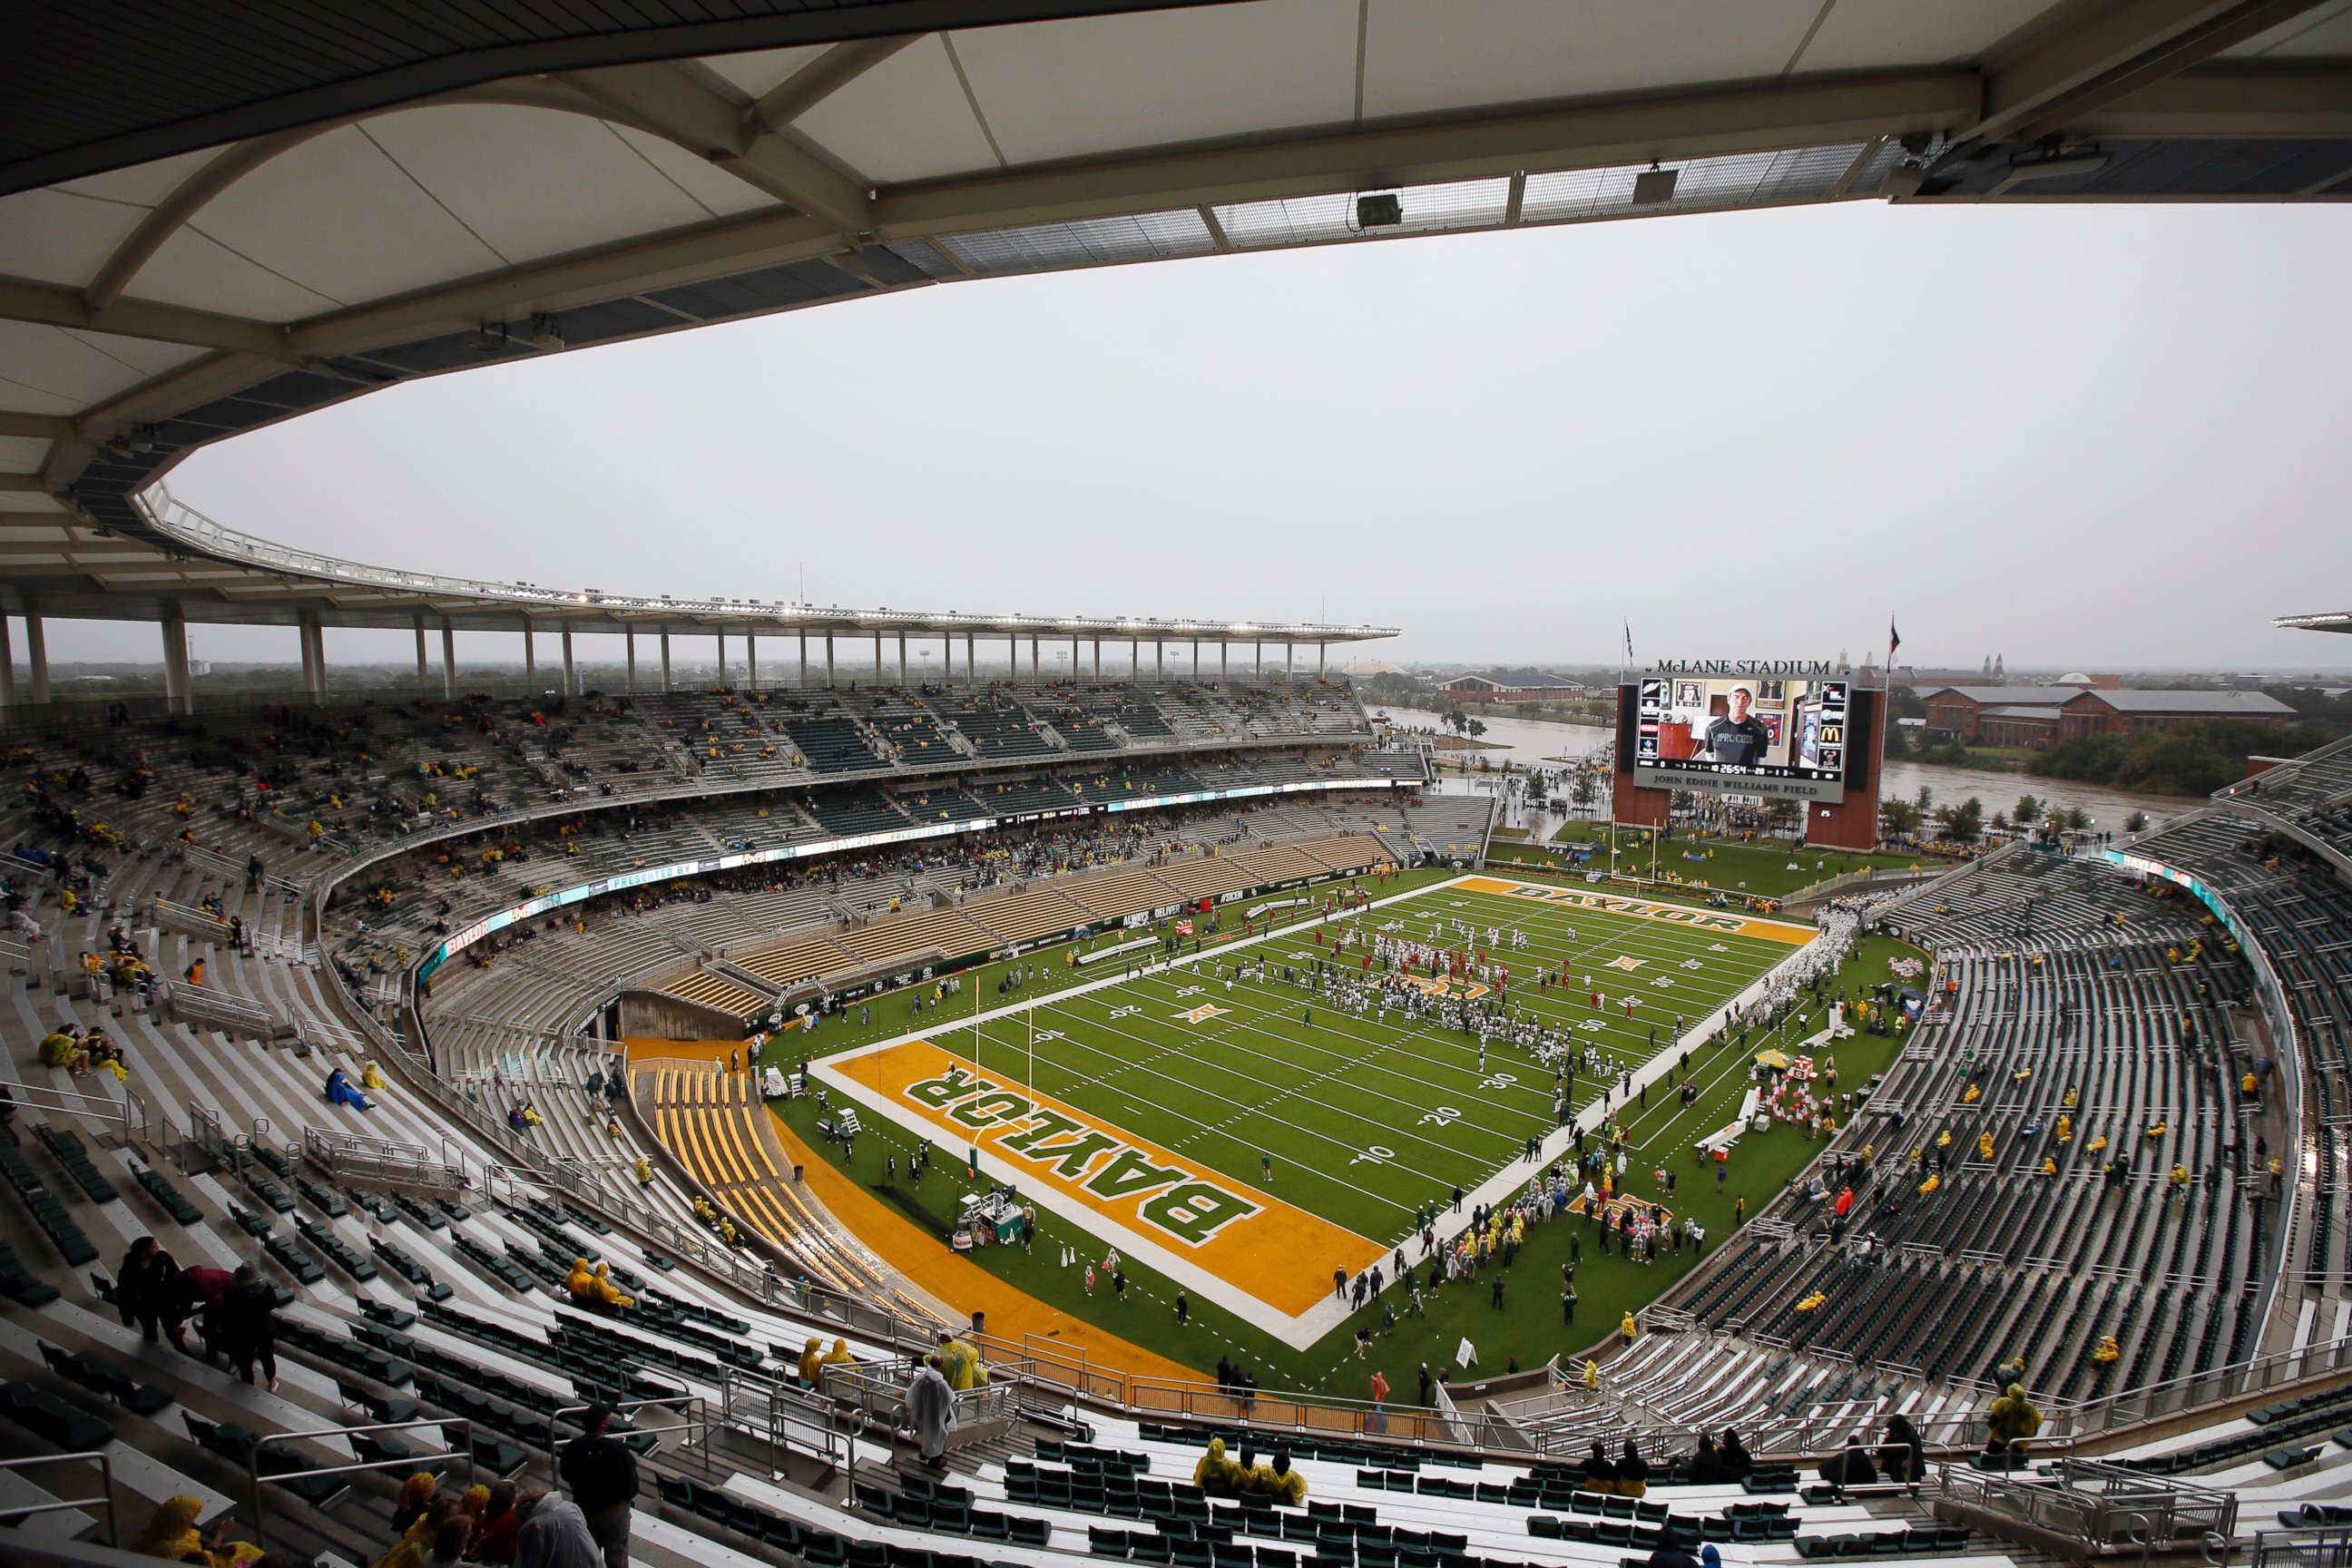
1643,909
1272,1253
1013,1315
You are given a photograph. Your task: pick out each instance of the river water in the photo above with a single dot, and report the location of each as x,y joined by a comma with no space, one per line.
1537,741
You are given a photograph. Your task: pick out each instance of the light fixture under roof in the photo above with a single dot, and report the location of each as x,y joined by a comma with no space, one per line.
2055,166
1654,187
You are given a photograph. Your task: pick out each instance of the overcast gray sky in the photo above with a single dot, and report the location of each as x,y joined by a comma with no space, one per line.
2106,436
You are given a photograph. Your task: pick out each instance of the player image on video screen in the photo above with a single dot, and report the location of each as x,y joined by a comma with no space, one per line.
1735,738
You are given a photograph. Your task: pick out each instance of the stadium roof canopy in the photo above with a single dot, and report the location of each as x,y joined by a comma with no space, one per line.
221,214
2339,621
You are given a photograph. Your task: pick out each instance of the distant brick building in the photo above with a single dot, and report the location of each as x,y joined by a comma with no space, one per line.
2140,713
1962,710
2038,716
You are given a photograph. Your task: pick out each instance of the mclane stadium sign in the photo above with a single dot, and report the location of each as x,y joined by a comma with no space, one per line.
1800,669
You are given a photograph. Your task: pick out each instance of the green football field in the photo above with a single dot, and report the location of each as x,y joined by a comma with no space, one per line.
1363,1120
1308,1107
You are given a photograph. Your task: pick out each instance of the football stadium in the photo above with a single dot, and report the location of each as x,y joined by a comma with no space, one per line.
1101,1094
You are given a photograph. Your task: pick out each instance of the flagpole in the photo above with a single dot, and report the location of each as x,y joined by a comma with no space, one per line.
1885,722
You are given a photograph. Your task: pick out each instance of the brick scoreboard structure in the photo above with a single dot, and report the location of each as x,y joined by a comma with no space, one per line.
1849,824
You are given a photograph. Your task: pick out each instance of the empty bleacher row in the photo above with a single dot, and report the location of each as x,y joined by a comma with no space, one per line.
2299,910
720,1129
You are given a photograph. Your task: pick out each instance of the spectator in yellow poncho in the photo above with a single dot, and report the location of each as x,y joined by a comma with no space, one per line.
410,1551
2108,1350
371,1076
172,1535
60,1049
812,1359
1216,1474
2013,1418
1984,1146
959,1360
1627,1329
594,1287
837,1357
1275,1481
609,1293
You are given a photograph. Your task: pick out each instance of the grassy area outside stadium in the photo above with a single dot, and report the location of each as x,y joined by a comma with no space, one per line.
1357,1122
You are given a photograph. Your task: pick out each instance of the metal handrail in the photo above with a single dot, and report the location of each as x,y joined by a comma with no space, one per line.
190,921
208,1004
697,1423
105,1490
92,1107
254,1478
778,1399
2295,1546
352,1155
228,866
